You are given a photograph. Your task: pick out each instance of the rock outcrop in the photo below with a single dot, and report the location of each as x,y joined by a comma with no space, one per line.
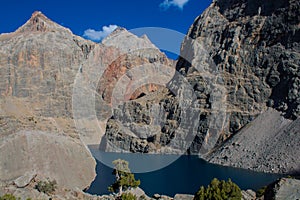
239,59
140,69
136,125
38,64
255,60
49,110
48,154
285,188
61,193
254,47
248,195
134,52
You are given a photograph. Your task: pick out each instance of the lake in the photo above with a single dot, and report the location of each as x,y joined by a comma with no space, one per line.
185,175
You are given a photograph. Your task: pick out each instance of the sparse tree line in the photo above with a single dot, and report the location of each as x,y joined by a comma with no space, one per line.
216,190
125,180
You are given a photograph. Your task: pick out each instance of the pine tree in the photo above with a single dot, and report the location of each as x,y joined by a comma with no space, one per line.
219,190
124,178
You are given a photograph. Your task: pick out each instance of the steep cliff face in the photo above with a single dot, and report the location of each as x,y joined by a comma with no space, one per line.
254,48
250,51
257,44
140,69
135,52
239,58
40,59
38,64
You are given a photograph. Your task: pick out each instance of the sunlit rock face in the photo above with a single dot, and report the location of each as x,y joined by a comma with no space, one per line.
240,58
38,65
254,48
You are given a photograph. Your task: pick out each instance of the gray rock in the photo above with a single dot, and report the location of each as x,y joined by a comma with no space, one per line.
164,197
24,180
56,157
260,146
138,192
183,197
254,74
61,193
156,196
32,73
239,57
285,188
36,87
248,195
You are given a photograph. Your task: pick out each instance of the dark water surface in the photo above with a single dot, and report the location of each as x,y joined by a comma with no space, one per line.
185,175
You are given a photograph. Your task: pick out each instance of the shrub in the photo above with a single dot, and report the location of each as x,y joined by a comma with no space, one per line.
127,196
219,190
260,192
9,197
47,187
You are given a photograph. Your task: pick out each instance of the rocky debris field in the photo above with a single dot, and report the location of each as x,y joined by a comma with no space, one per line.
269,147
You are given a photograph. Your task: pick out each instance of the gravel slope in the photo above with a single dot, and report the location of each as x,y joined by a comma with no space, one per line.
270,143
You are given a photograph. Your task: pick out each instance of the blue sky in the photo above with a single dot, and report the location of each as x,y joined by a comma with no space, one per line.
93,15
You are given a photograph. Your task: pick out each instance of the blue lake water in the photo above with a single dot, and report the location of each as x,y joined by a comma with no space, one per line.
185,175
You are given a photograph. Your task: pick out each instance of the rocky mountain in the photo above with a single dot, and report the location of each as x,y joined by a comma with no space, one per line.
257,41
255,48
238,60
38,64
134,52
117,72
233,97
49,111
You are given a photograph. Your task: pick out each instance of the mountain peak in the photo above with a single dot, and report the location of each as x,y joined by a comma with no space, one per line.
37,13
40,23
126,41
116,32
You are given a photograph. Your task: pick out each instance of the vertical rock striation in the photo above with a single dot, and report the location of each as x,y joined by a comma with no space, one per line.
240,58
255,55
38,64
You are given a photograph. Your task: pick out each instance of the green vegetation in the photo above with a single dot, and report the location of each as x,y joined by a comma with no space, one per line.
289,176
219,190
260,192
9,197
124,178
127,196
48,187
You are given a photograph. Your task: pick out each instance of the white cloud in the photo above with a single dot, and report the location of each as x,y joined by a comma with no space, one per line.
99,35
177,3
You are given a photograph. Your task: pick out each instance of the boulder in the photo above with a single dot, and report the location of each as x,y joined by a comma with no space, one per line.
49,155
183,197
25,180
248,195
285,188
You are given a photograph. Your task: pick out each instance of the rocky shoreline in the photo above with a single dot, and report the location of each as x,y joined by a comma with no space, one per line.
25,188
